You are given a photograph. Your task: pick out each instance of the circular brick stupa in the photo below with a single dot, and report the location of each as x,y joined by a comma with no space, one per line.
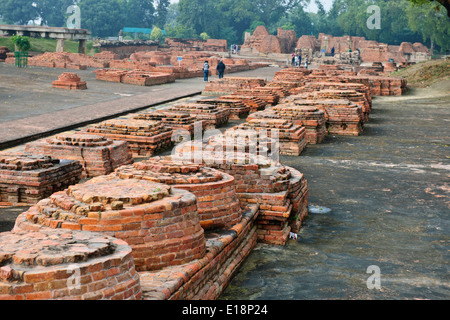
218,206
63,264
159,223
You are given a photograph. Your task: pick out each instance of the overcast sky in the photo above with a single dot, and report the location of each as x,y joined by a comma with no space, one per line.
311,8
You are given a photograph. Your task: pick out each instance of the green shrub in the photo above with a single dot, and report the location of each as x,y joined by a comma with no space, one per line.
22,43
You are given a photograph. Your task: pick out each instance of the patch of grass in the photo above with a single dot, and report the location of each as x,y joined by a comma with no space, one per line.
45,45
426,73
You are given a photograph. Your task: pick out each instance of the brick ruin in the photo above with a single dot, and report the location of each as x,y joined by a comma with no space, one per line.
217,203
219,45
286,42
64,60
143,137
178,122
350,95
237,108
97,155
211,115
70,81
280,191
292,138
160,223
53,264
312,118
27,179
231,84
253,102
179,227
136,77
342,116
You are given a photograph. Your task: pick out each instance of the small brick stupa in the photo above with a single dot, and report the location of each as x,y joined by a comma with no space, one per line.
160,224
213,116
97,155
50,264
144,137
70,81
292,138
217,204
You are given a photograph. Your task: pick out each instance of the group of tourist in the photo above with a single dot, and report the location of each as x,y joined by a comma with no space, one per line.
220,70
297,60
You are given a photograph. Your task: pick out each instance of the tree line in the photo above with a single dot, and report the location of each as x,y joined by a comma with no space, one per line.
402,20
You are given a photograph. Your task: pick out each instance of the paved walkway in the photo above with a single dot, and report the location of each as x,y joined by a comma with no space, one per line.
30,108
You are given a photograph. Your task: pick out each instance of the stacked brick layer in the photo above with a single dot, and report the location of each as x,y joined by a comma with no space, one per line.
206,278
62,264
160,224
176,121
312,118
254,103
280,192
292,138
245,141
231,84
268,95
136,77
97,155
237,108
69,81
144,137
27,179
211,115
218,206
343,117
351,95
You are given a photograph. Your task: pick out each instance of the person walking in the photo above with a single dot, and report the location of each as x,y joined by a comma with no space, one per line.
296,60
205,71
220,69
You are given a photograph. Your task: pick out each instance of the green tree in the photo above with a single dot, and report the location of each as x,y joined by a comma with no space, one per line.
21,43
137,13
433,25
201,15
18,11
157,34
254,25
53,12
102,17
299,19
444,3
179,31
162,10
204,36
271,11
